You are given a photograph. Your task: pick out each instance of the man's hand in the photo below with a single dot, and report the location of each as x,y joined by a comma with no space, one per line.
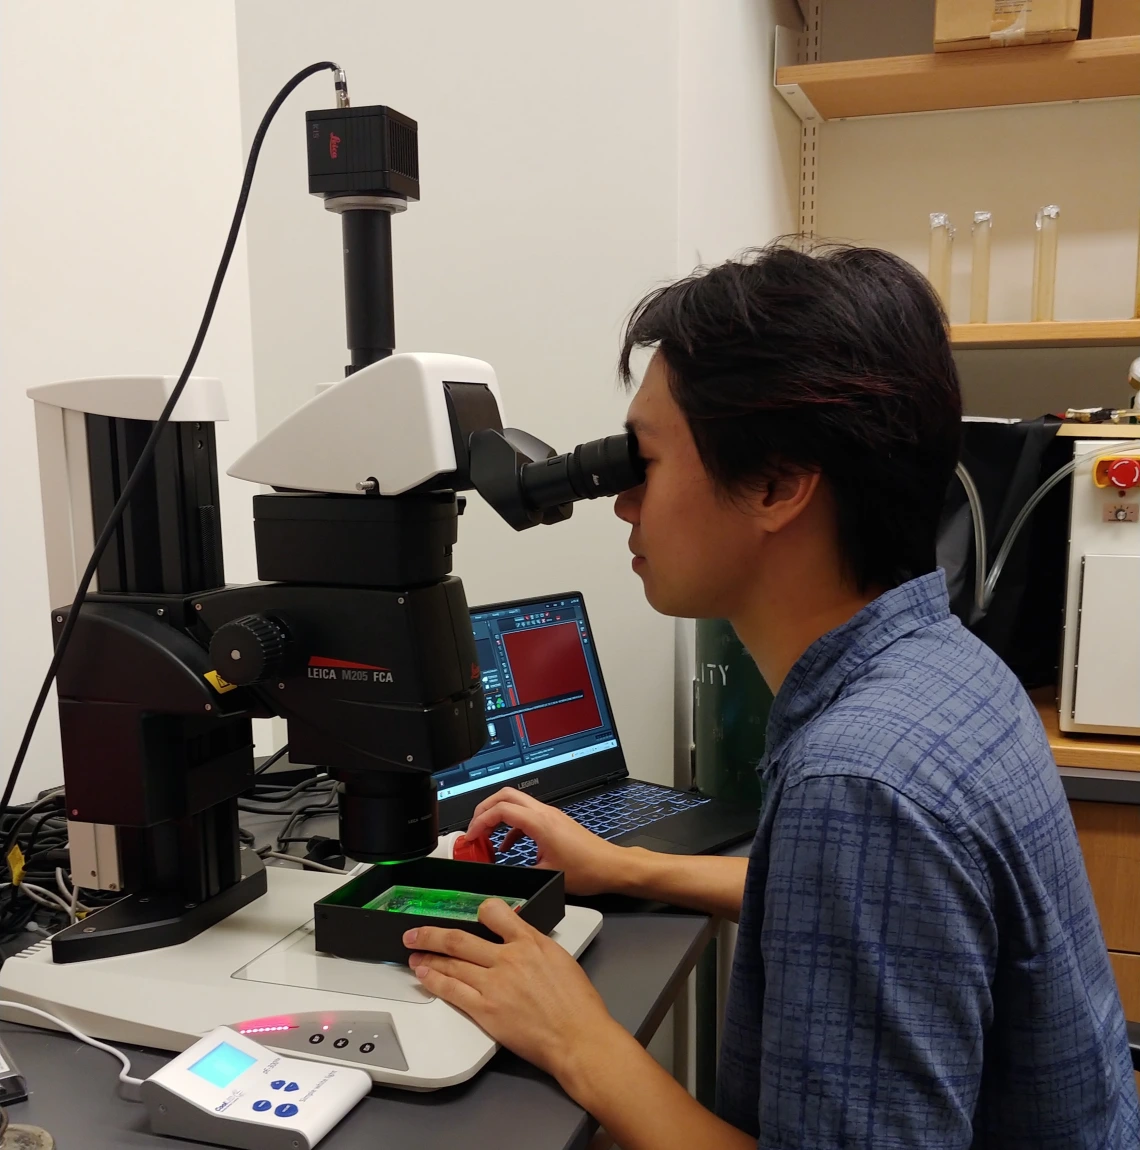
526,993
530,995
591,865
594,866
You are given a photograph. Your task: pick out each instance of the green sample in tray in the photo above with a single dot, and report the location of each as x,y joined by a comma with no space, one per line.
433,903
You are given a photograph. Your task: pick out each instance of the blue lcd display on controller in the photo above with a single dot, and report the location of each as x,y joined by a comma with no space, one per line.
222,1065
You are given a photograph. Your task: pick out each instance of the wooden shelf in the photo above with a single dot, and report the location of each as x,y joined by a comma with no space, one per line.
1089,333
1103,752
983,78
1099,431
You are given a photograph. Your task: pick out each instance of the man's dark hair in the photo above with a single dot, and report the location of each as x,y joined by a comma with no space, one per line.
834,360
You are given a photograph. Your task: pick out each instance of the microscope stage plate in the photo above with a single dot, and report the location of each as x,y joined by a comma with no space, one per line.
260,965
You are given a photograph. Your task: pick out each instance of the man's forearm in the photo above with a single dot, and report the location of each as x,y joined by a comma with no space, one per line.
702,882
638,1103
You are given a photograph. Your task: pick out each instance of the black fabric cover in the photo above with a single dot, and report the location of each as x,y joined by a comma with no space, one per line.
1008,461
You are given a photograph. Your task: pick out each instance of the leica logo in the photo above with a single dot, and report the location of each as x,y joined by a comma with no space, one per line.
526,784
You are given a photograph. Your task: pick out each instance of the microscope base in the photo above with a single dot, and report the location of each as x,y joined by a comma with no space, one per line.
140,923
259,972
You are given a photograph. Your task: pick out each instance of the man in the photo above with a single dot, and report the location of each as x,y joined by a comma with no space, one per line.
920,962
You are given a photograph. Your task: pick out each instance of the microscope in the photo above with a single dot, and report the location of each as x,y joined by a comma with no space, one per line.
357,634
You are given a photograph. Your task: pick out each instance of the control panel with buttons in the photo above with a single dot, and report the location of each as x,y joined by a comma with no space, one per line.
361,1038
1118,471
229,1090
1118,476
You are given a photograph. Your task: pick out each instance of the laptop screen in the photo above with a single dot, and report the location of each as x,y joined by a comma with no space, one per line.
549,724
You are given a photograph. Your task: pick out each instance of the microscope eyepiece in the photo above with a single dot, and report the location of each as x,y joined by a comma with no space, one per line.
606,466
599,467
526,483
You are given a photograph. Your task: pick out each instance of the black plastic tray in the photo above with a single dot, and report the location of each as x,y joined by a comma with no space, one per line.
346,929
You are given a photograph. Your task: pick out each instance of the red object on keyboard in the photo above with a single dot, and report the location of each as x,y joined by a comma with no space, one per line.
480,849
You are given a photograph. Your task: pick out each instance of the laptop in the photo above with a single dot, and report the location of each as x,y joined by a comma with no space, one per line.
551,733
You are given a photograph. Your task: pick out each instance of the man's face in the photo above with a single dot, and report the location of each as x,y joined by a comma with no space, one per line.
695,550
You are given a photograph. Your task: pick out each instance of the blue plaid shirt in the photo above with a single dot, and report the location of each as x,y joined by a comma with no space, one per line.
919,963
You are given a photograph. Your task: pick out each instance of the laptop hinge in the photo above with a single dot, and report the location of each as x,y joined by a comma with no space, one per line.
578,789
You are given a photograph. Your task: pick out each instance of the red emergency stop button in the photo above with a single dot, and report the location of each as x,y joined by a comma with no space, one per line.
1124,473
479,849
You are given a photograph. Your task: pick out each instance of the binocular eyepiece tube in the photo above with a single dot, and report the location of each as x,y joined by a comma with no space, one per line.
599,467
527,483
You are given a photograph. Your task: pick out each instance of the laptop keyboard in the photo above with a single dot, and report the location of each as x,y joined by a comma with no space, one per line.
609,814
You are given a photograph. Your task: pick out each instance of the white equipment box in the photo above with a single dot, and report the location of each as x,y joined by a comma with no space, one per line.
259,973
1100,664
230,1091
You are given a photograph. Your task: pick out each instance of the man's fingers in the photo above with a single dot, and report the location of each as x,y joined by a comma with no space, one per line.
458,944
512,794
512,836
497,916
526,819
465,972
452,990
506,795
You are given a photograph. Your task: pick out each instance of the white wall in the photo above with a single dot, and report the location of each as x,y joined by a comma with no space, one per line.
548,153
738,148
572,158
738,184
120,159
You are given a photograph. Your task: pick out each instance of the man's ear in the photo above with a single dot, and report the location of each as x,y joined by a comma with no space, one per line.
785,497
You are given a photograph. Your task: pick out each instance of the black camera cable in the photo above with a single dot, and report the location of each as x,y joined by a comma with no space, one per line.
146,457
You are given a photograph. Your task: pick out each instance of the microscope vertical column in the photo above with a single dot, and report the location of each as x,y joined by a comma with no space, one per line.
364,163
370,312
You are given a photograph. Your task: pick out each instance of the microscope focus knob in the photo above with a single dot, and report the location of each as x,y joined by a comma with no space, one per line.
249,650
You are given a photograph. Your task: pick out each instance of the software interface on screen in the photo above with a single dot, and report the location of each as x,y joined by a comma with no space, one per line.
545,703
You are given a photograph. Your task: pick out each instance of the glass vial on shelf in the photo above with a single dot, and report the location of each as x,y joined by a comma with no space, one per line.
980,269
1045,261
1137,310
941,252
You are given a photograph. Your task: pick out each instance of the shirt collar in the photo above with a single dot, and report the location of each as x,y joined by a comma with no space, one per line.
820,672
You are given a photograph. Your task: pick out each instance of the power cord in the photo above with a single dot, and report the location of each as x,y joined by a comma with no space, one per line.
146,457
301,862
132,1085
275,801
301,814
273,758
33,841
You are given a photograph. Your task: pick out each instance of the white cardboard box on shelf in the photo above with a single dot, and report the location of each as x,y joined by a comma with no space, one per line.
961,25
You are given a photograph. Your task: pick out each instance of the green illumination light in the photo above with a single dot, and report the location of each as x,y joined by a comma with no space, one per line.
432,903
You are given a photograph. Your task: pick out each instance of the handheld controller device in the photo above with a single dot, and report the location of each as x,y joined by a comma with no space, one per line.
228,1090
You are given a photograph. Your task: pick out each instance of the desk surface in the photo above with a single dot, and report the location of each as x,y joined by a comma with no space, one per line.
639,963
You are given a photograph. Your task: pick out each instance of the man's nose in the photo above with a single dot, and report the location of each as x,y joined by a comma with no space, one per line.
627,506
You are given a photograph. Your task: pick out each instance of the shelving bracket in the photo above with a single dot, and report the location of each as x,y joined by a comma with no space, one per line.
785,56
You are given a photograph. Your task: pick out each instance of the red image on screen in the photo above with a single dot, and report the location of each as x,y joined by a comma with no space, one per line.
547,662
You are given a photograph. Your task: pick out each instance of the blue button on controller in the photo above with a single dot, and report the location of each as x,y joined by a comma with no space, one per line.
277,1085
261,1105
291,1086
285,1110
